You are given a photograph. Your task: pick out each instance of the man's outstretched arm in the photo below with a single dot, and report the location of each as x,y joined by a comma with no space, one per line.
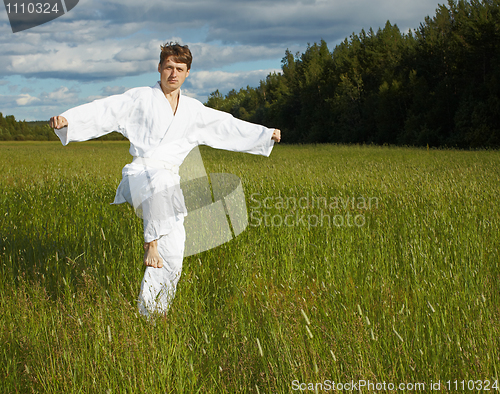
58,122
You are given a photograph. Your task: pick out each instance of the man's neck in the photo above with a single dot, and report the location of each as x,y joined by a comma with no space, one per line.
169,93
172,97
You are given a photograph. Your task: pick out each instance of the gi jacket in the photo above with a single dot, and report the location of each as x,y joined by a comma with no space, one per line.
145,117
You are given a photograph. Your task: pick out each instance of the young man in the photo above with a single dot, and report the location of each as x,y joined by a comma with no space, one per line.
163,126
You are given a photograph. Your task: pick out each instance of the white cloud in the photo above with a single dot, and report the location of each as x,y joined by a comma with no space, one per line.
82,62
209,81
63,94
26,99
208,57
111,90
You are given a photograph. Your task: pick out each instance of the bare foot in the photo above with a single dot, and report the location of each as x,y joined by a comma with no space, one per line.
151,256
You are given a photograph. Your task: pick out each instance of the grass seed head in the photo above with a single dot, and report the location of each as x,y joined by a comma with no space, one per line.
305,317
397,334
110,339
260,348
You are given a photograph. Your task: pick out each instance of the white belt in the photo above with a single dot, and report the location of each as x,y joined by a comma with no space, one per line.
160,164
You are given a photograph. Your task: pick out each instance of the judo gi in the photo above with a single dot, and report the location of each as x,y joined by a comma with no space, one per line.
159,142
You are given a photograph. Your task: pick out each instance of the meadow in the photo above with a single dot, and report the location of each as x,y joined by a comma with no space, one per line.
360,264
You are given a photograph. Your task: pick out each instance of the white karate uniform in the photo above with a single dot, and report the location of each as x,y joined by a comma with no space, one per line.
159,142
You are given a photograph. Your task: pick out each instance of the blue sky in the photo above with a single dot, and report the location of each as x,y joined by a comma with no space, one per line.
104,47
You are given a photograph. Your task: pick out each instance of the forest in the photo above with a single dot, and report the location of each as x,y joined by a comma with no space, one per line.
14,130
437,85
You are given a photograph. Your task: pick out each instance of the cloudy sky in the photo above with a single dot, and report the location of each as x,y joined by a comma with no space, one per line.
104,47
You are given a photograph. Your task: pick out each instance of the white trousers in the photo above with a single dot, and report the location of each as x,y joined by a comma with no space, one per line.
159,284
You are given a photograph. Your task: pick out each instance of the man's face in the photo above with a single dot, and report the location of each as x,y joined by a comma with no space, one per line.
172,74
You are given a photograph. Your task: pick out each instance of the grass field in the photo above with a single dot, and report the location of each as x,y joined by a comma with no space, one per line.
374,264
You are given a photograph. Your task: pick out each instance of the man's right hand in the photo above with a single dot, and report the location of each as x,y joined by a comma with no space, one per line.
58,122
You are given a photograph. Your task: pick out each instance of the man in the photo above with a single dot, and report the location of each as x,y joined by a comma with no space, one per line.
163,126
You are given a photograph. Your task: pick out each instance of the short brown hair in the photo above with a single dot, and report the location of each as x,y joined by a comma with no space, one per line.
180,53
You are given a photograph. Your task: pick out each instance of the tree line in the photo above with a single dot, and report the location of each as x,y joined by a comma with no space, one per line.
438,85
13,130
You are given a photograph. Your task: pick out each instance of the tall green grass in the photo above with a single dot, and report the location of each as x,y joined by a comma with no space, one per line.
411,294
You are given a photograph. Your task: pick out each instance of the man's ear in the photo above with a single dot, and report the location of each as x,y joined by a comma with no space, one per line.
159,67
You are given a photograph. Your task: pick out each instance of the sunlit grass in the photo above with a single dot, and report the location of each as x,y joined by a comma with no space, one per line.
410,295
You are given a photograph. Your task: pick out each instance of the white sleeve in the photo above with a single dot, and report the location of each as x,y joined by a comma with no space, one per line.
221,130
96,119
